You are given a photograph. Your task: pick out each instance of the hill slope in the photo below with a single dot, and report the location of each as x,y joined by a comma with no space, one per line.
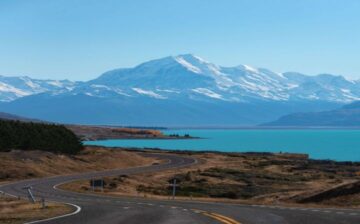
348,116
145,111
7,116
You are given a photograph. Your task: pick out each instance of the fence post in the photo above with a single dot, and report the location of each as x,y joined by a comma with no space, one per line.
43,205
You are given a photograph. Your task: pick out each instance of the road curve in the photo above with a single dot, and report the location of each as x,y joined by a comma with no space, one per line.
96,209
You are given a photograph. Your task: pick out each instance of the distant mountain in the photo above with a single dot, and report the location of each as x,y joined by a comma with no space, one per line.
183,90
146,111
192,77
7,116
347,116
12,88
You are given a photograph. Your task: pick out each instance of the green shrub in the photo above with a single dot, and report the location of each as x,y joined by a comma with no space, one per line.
38,136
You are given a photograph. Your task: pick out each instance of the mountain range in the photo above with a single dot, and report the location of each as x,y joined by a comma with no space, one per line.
12,88
183,90
346,116
6,116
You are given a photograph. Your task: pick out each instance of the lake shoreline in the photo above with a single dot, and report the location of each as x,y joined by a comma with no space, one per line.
264,128
98,133
337,145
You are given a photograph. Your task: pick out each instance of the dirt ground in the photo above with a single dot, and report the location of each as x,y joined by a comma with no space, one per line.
246,178
16,211
44,164
235,177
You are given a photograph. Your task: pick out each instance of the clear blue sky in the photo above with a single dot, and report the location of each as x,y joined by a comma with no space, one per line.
80,39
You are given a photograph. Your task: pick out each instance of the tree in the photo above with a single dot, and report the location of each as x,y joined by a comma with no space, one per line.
38,136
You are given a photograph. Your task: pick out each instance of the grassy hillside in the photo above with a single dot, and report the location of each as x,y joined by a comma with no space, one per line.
19,164
265,178
37,136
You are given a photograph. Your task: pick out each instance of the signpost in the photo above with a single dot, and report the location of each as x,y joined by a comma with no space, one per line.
97,183
30,194
174,185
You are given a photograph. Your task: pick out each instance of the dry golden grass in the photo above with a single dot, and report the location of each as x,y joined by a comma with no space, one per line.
95,132
19,211
280,178
259,178
134,131
44,164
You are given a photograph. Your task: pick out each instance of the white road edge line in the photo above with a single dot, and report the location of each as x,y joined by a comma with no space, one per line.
11,195
78,209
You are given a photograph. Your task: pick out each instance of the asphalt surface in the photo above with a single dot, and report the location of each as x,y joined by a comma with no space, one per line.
90,208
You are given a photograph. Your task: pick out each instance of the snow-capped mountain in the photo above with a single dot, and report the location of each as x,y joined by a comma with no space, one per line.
177,90
12,88
193,77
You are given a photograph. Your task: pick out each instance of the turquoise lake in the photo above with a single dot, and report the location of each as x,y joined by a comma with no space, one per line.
340,145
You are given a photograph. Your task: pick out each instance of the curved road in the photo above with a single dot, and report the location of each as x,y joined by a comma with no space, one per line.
96,209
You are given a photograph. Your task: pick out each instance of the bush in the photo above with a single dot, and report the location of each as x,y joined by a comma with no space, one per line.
38,136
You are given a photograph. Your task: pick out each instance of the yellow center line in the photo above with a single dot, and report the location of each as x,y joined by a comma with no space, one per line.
226,218
221,218
217,218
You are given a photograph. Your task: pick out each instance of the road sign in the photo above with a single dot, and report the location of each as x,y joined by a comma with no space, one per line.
97,183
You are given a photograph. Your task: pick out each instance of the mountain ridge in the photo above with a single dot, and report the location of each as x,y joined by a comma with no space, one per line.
346,116
12,88
182,90
191,75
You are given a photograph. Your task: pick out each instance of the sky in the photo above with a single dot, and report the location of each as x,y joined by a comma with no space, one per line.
79,40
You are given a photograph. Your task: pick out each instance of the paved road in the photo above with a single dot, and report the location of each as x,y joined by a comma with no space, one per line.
117,210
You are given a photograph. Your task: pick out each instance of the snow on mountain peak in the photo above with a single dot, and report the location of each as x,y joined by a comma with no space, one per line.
187,65
12,88
251,69
241,82
191,57
148,93
187,75
8,88
201,66
55,83
207,92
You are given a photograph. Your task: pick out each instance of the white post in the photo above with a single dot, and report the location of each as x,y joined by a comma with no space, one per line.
30,195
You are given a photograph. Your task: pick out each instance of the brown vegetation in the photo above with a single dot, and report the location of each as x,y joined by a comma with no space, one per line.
100,132
91,133
17,164
19,211
245,177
